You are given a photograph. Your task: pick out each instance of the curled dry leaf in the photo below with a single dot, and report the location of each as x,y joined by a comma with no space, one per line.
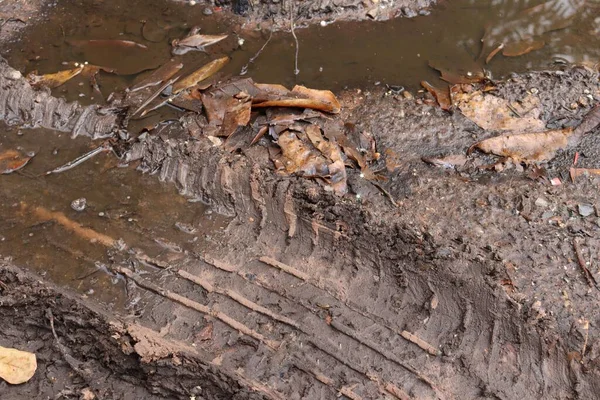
442,95
201,74
300,96
12,160
527,147
54,80
16,366
494,113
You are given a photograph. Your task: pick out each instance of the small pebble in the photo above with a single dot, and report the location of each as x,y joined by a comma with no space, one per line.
207,11
79,204
585,210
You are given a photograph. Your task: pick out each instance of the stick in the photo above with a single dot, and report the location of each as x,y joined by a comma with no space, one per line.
586,272
296,70
420,342
79,160
244,70
155,95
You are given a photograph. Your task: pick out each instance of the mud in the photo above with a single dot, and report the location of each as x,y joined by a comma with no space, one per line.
435,283
468,288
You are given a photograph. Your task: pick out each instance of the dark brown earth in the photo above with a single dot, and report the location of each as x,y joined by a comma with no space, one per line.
478,267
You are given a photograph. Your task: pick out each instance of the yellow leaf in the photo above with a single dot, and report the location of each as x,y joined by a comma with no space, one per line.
16,366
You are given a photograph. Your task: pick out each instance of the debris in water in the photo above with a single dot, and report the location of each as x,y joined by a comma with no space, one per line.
53,80
195,42
201,74
79,204
16,366
79,160
12,160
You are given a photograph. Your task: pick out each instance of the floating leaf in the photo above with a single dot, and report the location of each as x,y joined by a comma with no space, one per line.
527,147
107,43
12,160
201,74
16,366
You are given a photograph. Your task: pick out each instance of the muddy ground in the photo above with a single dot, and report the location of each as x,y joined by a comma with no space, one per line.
441,283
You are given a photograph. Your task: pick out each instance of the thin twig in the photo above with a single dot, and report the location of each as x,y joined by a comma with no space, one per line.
155,95
296,70
79,160
581,261
244,70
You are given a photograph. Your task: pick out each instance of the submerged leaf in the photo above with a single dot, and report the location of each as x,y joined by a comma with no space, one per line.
156,77
16,366
201,74
54,80
12,160
522,47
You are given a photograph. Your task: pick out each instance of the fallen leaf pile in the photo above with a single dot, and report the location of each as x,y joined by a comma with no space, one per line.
16,366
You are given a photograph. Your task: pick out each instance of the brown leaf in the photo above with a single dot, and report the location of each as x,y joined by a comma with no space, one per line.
12,160
156,77
201,74
298,157
300,96
16,366
53,80
494,113
106,43
195,42
442,95
528,147
449,162
454,75
236,116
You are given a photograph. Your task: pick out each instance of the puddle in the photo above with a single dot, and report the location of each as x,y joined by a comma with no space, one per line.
343,54
121,203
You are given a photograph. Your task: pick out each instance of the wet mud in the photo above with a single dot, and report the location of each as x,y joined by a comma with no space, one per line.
460,282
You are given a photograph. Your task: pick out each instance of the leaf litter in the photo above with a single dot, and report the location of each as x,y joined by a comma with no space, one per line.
16,366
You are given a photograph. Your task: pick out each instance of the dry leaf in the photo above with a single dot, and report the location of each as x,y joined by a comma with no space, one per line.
298,157
201,74
16,366
53,80
12,160
448,162
442,95
527,147
300,96
494,113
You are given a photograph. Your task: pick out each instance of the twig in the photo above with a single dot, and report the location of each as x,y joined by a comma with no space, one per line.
586,272
420,342
79,160
244,70
155,95
296,70
73,363
384,191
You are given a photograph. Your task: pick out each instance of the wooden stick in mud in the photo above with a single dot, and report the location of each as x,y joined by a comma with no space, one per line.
420,342
581,261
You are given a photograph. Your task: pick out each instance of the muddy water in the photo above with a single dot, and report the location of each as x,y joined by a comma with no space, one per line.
145,216
338,55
